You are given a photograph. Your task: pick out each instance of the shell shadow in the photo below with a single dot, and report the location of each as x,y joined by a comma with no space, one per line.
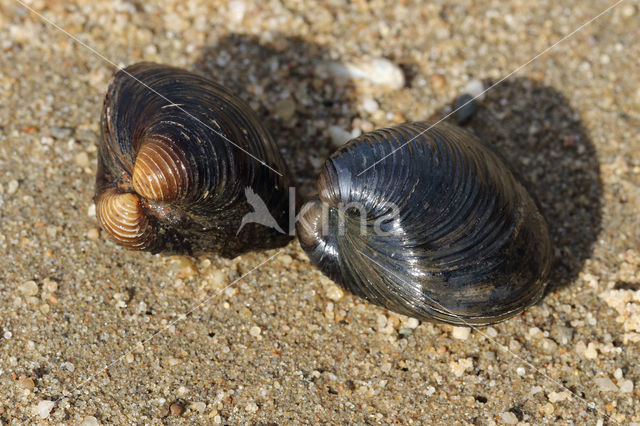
543,138
276,76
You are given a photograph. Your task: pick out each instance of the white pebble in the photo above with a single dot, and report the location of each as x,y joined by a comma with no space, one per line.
90,421
237,9
43,409
12,187
461,333
536,389
252,407
198,406
338,136
558,396
605,384
520,371
475,89
334,292
509,418
412,323
591,352
618,374
370,105
29,288
255,331
375,71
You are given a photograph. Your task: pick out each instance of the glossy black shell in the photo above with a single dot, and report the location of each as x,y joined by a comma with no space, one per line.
211,145
465,243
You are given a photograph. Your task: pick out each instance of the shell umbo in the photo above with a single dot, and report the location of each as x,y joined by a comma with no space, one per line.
176,156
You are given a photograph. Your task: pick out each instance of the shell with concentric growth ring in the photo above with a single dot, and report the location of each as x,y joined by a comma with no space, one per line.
178,153
440,229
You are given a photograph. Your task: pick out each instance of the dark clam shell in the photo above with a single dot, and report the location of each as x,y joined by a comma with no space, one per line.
440,230
179,157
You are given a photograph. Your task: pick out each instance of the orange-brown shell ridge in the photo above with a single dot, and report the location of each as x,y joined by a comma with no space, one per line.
177,155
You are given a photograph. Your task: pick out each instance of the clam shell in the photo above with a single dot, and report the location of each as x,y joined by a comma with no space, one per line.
178,156
441,230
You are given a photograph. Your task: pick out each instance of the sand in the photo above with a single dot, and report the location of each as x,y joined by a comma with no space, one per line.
93,334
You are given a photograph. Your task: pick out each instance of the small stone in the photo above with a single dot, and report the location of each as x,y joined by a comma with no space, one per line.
255,331
464,107
175,409
237,9
475,89
605,384
370,105
91,210
12,187
251,407
412,323
591,352
626,386
61,132
617,374
129,357
491,332
374,71
536,389
458,368
50,285
67,366
509,418
438,81
43,409
285,260
93,234
90,421
29,288
520,371
558,396
82,159
285,108
338,136
628,10
198,406
548,409
334,292
26,383
461,333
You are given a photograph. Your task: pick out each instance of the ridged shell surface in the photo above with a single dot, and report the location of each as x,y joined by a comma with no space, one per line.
441,230
177,156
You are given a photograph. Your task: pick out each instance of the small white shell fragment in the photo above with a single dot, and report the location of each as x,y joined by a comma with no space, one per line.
43,409
375,71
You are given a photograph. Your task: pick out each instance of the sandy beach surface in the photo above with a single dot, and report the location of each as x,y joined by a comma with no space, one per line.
91,333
